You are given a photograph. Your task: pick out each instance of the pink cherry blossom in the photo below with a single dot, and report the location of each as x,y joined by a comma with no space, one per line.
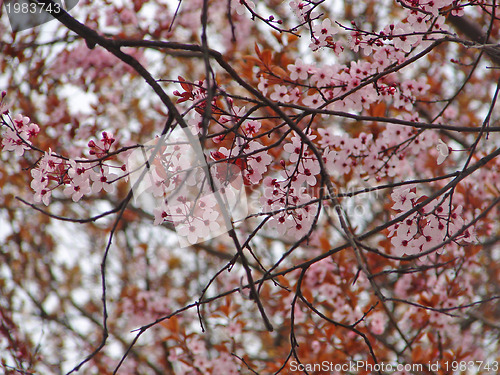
403,247
322,76
193,230
43,195
280,94
210,220
77,191
40,179
404,37
378,322
298,70
342,162
312,101
443,151
403,198
13,141
252,127
407,229
79,172
258,162
295,149
103,180
323,30
417,21
195,124
160,214
433,236
309,168
300,8
263,85
17,137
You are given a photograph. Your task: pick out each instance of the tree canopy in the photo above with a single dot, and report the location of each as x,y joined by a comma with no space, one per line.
250,187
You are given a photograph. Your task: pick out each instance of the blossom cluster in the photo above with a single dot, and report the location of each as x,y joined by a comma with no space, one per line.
96,63
195,358
291,210
250,156
199,199
428,227
18,130
340,87
77,177
424,23
290,206
390,154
